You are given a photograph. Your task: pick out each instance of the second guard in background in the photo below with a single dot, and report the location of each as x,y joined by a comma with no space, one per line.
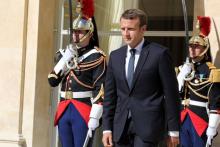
199,86
81,76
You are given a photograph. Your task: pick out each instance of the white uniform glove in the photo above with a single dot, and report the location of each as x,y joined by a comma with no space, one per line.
214,120
95,115
67,55
184,71
210,132
92,125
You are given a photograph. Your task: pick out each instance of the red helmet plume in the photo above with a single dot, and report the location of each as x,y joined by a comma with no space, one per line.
204,25
87,8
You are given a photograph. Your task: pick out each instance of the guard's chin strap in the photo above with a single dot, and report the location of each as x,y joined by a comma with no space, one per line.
82,39
85,36
198,59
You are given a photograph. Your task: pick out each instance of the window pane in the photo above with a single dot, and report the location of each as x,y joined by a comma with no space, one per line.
163,15
176,47
167,15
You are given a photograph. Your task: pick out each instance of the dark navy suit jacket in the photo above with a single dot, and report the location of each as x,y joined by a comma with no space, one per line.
154,93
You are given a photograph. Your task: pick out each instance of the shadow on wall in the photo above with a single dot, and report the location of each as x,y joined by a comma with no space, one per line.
216,62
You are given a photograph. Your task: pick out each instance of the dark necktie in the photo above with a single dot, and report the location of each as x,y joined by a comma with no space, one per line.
130,72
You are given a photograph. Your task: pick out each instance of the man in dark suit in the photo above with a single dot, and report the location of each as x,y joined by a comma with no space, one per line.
140,88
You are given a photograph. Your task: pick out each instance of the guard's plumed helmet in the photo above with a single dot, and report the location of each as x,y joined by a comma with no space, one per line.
85,10
201,35
82,23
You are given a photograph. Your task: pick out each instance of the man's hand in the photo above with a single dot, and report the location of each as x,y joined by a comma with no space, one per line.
61,65
68,54
107,139
172,141
185,70
210,132
92,125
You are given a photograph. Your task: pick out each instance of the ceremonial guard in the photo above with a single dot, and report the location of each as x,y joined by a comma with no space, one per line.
80,69
199,86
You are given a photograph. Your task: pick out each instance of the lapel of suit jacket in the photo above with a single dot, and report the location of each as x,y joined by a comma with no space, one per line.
141,61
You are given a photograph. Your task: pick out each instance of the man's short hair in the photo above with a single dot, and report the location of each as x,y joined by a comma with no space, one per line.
135,13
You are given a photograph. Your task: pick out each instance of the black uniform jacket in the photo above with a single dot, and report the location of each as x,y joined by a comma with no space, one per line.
93,77
203,89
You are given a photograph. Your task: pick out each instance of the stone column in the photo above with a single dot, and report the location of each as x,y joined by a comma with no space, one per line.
26,43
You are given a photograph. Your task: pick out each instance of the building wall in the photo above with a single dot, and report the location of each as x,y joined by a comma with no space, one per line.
26,43
11,62
211,9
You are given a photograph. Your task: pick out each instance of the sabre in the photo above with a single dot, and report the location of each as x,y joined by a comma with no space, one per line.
186,27
86,142
72,64
187,60
70,21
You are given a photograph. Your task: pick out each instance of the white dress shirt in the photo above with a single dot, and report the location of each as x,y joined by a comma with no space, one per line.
138,49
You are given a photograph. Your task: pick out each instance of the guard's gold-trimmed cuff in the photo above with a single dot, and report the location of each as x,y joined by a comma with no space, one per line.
52,76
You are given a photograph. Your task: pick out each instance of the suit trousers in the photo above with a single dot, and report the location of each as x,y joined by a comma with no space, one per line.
130,139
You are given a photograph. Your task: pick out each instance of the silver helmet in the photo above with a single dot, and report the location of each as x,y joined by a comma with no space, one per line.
201,35
82,23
